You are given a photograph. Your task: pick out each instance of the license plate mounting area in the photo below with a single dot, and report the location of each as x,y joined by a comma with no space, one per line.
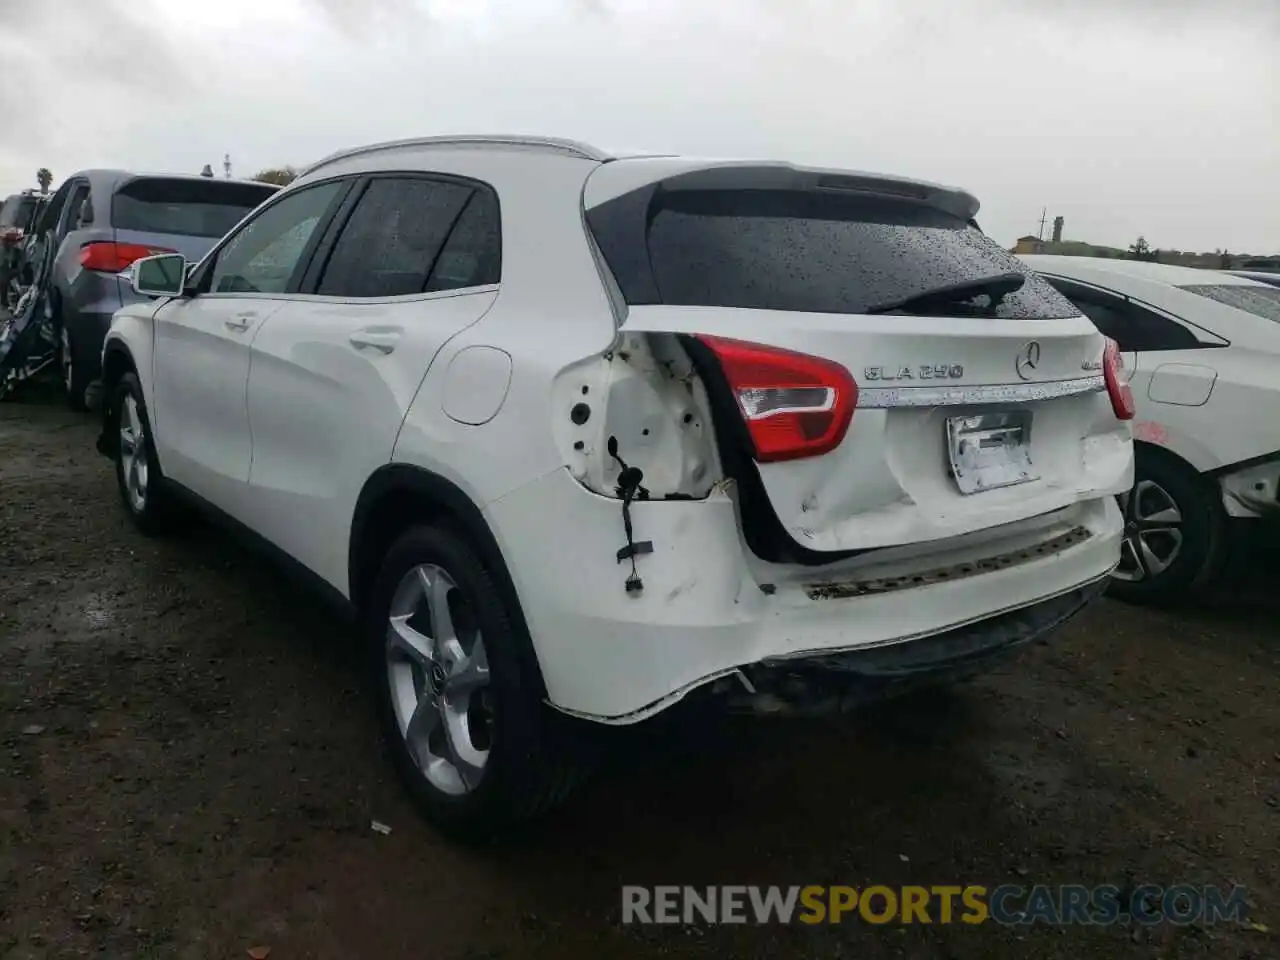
988,451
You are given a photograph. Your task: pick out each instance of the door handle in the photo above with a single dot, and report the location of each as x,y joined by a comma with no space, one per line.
386,342
240,321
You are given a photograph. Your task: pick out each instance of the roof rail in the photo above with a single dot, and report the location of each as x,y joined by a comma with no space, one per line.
570,148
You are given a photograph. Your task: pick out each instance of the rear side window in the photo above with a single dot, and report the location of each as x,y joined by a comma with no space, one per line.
1132,327
803,250
414,235
188,208
1260,301
472,256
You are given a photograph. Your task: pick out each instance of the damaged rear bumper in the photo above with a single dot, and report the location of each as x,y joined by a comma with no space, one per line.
709,614
836,683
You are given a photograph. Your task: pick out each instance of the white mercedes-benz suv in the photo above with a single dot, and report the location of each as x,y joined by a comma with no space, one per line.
582,436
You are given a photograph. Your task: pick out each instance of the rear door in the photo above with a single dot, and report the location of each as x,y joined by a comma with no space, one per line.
975,408
335,371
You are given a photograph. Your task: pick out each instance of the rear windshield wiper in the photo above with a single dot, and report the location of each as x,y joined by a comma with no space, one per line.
996,287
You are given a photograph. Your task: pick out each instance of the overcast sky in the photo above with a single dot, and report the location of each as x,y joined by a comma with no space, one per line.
1159,117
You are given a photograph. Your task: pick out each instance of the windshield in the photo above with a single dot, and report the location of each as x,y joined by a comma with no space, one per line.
191,208
1261,301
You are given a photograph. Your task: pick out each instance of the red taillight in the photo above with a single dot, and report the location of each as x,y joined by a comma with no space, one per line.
1119,392
794,405
10,235
113,257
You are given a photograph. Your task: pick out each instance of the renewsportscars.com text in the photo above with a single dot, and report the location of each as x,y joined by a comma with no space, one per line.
1008,904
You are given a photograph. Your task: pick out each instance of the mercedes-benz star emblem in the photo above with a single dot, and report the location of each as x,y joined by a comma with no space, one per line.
1028,359
436,678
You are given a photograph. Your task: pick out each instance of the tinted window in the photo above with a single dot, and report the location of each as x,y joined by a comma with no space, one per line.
263,255
472,256
53,209
390,244
189,208
74,207
1260,301
1131,326
803,250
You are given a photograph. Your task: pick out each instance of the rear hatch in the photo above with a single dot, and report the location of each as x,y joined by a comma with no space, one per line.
186,215
890,374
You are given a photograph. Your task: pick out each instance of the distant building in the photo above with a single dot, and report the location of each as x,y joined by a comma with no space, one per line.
1029,244
1057,229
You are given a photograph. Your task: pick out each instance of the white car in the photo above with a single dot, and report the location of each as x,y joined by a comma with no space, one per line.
580,435
1202,349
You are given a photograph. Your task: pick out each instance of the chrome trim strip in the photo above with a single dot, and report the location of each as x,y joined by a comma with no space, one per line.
884,398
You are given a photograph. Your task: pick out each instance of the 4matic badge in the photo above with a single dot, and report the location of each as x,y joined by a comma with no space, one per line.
937,371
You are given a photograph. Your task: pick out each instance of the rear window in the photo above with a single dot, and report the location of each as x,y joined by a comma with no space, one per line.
17,211
801,250
1260,301
189,208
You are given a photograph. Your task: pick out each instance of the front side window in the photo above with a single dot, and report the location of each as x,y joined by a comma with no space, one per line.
397,234
263,256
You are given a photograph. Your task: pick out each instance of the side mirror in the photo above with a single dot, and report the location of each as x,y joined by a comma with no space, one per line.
161,276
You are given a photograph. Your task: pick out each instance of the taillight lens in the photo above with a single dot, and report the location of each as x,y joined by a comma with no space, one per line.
794,405
113,257
1119,392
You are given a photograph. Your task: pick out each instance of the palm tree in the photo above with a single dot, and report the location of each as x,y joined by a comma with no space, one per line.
44,178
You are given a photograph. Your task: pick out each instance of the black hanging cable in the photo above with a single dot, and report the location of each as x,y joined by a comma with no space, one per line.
628,488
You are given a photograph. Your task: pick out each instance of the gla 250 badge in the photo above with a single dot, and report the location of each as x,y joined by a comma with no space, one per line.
937,371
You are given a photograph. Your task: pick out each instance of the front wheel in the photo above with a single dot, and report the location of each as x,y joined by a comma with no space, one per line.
138,476
460,714
1175,532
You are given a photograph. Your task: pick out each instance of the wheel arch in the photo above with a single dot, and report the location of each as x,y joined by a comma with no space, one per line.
397,496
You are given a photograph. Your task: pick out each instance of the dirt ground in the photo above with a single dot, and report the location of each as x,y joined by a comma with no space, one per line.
189,768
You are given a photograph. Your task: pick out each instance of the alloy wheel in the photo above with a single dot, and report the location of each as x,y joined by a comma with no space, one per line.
133,454
438,674
1152,532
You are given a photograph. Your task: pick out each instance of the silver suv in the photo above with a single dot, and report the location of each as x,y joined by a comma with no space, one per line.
100,222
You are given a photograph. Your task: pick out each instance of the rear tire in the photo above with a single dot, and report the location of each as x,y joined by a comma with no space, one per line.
138,476
461,717
75,377
1175,532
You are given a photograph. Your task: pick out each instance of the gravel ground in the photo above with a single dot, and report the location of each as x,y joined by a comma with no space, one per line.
189,768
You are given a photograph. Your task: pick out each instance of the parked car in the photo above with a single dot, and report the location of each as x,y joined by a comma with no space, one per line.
580,436
100,222
1258,276
1202,348
17,214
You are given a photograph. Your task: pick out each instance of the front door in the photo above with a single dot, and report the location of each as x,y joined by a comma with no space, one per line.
202,345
